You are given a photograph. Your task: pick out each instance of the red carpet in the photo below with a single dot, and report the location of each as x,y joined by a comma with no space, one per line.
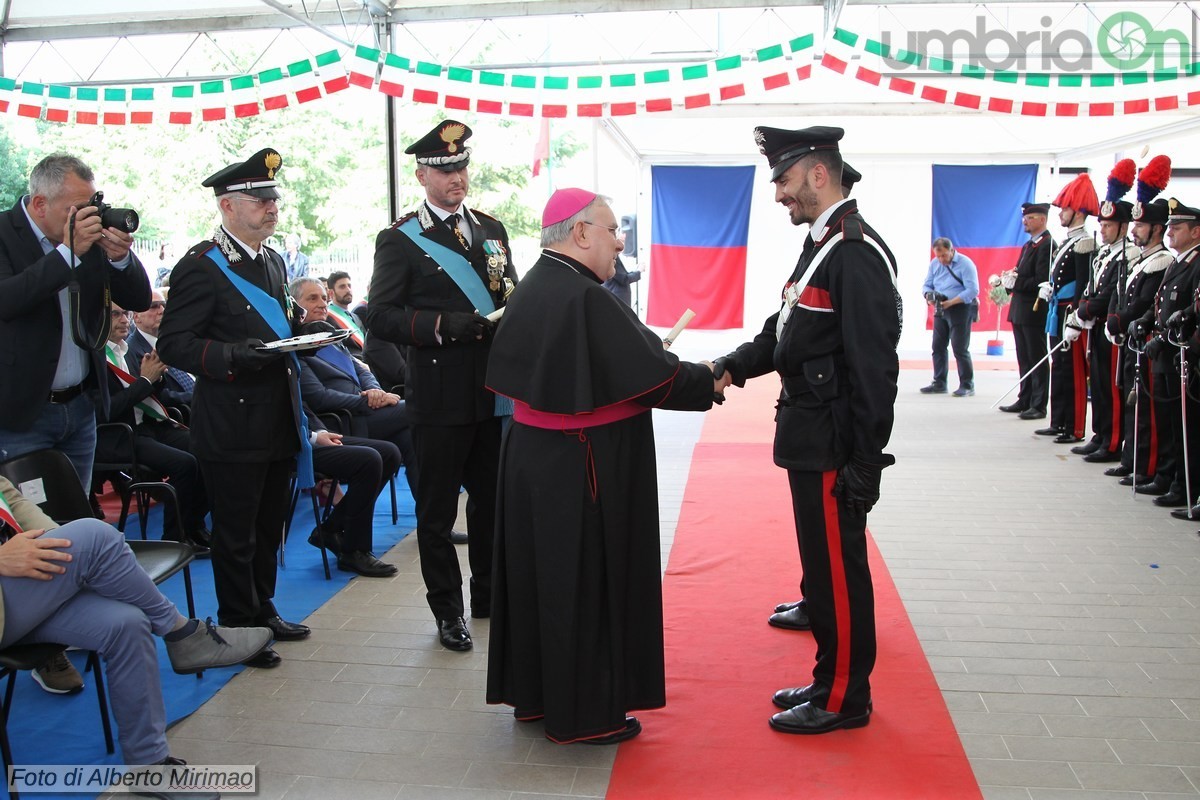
733,559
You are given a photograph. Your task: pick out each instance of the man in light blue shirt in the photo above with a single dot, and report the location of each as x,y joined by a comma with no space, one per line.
952,289
43,403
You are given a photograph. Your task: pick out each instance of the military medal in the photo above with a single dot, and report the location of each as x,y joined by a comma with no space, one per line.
496,262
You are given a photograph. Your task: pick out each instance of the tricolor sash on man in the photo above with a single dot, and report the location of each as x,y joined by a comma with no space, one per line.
699,232
7,516
345,320
150,407
465,277
271,312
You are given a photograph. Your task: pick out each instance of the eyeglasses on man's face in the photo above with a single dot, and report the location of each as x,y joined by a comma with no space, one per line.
117,313
260,201
610,228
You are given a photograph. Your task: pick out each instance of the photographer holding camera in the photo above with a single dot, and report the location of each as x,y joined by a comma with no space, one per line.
64,258
952,289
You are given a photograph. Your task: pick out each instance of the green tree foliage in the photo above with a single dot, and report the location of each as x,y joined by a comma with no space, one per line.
14,170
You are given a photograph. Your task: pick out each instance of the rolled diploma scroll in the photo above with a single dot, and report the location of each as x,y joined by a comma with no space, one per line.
678,329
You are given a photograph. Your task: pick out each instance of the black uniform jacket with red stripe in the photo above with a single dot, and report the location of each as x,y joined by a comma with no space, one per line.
835,351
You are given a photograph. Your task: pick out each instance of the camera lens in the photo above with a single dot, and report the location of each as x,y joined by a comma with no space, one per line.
123,219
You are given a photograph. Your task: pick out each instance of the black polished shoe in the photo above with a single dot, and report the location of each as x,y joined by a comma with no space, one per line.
267,659
1015,408
933,388
1067,438
459,537
365,564
1086,449
1032,413
1142,480
788,606
632,728
1049,432
808,719
1153,488
322,537
794,619
454,635
285,631
201,536
1192,513
1171,500
1121,471
790,698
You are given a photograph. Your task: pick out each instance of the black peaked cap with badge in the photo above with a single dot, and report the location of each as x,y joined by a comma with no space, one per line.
784,148
255,176
1035,208
443,148
1181,213
850,176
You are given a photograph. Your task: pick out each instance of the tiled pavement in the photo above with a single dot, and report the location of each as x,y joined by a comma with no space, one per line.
1061,617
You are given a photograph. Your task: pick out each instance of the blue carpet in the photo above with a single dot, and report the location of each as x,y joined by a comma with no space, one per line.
60,729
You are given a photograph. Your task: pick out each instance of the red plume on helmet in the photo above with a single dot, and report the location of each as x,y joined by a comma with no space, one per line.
1153,178
1121,179
1080,195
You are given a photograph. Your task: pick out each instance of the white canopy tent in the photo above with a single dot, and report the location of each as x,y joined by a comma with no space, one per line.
893,138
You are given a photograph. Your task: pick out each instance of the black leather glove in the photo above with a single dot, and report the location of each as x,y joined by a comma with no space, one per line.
1113,325
730,365
246,358
1154,347
1139,329
463,326
718,371
1183,322
857,483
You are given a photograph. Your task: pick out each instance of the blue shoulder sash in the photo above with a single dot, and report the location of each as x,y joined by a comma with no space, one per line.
268,308
456,266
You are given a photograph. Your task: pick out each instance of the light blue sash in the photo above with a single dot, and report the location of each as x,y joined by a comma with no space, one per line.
1065,291
465,277
268,308
338,358
456,266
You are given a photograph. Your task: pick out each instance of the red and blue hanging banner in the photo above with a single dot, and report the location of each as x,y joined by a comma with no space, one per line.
699,230
979,209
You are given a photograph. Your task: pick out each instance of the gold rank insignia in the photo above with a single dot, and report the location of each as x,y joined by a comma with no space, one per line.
272,163
450,134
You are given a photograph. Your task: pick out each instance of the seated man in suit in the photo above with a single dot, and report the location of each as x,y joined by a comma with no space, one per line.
80,585
332,379
365,466
160,444
177,386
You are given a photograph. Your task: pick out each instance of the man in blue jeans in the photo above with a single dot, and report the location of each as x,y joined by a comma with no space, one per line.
951,288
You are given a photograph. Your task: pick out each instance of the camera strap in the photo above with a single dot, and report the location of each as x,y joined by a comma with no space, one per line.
75,303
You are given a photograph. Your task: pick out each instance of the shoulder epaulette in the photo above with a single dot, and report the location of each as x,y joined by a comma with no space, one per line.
201,248
852,229
403,219
1157,262
1085,244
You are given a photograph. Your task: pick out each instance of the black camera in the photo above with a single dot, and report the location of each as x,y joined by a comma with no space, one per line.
123,219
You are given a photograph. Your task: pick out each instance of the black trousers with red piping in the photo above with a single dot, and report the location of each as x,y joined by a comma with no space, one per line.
838,591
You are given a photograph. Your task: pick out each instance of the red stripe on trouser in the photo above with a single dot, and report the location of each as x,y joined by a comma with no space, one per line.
1078,353
841,595
1118,403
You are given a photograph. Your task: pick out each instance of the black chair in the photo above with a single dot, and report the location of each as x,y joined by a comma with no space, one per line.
65,501
25,657
133,481
320,516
